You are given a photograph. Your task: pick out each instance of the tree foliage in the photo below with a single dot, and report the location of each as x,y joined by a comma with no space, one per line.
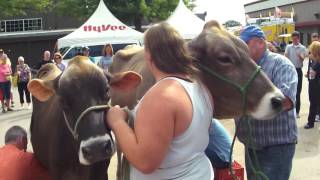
232,23
21,7
129,11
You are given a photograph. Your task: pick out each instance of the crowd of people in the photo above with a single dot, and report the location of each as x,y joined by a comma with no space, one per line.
177,148
23,73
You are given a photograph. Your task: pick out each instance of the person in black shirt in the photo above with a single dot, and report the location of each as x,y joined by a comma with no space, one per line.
313,75
46,59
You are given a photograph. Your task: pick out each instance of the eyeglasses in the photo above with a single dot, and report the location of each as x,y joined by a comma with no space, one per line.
58,57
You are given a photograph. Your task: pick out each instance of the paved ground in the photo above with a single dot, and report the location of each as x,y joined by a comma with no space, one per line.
306,164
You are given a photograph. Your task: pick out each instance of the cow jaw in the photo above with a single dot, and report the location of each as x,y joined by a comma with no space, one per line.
96,146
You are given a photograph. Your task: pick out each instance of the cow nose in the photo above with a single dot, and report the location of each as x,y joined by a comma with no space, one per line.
106,147
276,103
87,151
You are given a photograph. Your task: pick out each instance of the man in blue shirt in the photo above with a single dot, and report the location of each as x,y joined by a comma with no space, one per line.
274,140
218,150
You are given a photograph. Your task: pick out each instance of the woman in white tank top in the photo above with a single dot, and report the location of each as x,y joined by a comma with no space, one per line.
172,120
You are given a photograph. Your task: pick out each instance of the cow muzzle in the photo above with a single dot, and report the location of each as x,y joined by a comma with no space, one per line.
96,149
270,105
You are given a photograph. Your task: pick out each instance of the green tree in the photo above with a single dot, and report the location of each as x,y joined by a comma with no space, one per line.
128,11
11,8
231,23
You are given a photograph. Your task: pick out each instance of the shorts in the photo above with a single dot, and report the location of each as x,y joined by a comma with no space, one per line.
6,88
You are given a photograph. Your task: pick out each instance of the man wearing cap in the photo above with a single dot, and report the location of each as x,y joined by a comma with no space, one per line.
272,140
296,52
86,52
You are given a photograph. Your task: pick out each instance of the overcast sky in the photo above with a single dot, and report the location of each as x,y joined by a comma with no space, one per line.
223,10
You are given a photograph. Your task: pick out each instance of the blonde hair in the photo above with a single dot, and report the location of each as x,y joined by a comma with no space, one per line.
314,49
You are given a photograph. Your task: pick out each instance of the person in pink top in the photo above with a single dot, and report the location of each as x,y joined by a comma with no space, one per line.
5,83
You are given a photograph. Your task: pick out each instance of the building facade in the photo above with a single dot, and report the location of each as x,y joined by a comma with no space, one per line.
306,14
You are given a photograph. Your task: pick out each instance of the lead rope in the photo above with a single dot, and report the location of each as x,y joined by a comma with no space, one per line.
243,91
73,131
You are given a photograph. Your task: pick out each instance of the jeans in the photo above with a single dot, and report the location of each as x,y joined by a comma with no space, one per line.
6,88
22,88
274,161
216,161
299,87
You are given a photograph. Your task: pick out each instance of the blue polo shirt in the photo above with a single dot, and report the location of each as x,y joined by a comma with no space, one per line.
283,128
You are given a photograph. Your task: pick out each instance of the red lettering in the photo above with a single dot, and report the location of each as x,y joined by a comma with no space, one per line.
97,28
89,28
105,28
114,28
122,27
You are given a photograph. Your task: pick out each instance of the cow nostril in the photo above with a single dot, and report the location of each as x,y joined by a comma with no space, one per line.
276,103
86,151
106,146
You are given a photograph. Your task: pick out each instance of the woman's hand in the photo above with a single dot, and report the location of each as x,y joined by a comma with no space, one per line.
115,115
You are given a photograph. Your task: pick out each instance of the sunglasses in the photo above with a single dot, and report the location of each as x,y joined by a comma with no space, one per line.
57,57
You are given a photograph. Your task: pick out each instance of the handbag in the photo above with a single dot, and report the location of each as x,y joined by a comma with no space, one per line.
8,77
15,80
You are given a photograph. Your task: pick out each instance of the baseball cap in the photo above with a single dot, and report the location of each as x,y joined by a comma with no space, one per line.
250,32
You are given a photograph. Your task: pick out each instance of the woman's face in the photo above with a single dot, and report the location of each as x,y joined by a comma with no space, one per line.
108,50
57,59
20,62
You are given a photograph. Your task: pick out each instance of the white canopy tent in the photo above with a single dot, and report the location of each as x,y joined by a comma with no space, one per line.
102,26
188,24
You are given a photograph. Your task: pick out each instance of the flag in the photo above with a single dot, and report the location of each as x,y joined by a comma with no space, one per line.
247,18
292,11
277,12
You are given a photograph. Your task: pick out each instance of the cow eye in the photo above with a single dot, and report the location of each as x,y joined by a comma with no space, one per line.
225,60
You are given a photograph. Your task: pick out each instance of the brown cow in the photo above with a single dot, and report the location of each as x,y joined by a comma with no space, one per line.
73,145
216,52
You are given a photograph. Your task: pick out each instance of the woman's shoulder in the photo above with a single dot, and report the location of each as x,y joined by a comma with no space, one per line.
167,90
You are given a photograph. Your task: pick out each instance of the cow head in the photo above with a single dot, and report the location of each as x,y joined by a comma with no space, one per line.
228,56
130,59
81,86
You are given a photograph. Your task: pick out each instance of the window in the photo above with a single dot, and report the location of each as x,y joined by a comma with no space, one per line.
21,25
95,51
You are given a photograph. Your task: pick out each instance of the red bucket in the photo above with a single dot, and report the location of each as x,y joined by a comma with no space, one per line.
224,174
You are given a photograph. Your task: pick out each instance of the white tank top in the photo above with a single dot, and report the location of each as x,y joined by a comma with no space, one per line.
186,159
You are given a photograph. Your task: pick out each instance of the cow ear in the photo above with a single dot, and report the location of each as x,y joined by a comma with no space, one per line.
42,88
125,81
